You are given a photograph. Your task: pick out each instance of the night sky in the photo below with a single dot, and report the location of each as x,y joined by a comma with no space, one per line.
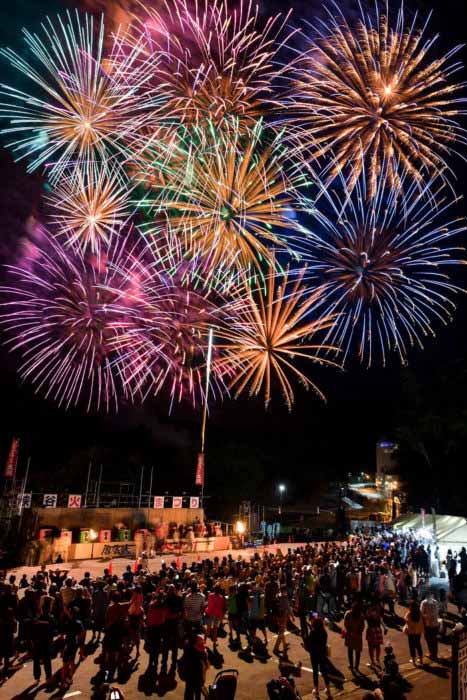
423,406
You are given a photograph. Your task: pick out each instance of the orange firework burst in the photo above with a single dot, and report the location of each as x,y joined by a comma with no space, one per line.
89,206
271,331
217,60
371,96
232,196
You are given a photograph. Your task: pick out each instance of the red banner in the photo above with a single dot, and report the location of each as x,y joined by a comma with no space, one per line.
200,470
12,461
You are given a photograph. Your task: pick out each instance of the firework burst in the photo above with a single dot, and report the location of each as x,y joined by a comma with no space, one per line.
63,318
373,96
217,59
176,289
82,105
383,266
232,199
270,331
89,207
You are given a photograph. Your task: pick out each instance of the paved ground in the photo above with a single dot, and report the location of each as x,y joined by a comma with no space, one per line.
432,682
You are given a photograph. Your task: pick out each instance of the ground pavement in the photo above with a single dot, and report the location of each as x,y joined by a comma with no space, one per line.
432,682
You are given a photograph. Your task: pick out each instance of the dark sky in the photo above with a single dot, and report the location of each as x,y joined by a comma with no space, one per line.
249,449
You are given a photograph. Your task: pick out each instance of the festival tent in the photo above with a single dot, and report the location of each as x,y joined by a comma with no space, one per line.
449,531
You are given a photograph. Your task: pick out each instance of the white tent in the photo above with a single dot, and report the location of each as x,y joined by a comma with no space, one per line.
449,531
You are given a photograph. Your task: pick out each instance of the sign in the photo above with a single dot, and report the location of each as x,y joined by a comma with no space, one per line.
12,461
177,502
200,470
459,665
194,502
27,500
158,502
50,500
74,500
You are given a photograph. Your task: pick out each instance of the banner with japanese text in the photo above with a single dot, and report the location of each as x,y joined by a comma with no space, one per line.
159,501
177,502
200,470
74,500
12,461
194,502
50,500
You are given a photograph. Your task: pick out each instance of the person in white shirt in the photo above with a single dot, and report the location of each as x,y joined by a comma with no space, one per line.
430,613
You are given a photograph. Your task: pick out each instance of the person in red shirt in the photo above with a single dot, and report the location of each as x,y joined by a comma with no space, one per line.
155,625
215,612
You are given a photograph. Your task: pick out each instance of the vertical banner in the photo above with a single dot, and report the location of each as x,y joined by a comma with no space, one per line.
158,502
74,500
12,461
177,501
194,502
50,500
200,470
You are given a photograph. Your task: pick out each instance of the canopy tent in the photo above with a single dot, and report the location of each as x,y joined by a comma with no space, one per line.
448,531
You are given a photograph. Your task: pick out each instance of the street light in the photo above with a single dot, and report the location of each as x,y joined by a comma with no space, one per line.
93,538
281,488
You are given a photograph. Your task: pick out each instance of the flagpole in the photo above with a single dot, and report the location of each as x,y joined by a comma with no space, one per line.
87,485
205,407
23,491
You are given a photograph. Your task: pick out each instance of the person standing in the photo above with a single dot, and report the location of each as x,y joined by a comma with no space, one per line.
414,628
193,608
284,613
155,626
354,624
215,612
195,664
8,627
316,645
42,634
430,614
374,631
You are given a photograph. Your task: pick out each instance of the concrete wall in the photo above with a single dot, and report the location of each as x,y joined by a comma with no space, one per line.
107,518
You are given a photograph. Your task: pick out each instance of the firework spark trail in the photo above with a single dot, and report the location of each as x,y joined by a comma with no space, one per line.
383,265
191,305
231,198
270,329
82,105
373,95
216,59
64,320
89,207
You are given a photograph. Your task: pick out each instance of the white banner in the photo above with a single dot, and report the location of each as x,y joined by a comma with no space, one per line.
177,502
27,500
158,502
74,500
194,502
50,500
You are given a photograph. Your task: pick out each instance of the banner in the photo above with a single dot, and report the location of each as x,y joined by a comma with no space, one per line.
177,502
27,500
50,500
194,502
74,500
200,470
12,461
158,502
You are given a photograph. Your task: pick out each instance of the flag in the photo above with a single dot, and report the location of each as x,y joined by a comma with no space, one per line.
12,461
177,502
74,500
158,502
194,502
200,470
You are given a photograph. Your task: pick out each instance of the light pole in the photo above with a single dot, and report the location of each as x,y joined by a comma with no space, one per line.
93,538
281,489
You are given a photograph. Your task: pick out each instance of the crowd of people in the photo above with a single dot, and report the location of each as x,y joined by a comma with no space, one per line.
179,613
